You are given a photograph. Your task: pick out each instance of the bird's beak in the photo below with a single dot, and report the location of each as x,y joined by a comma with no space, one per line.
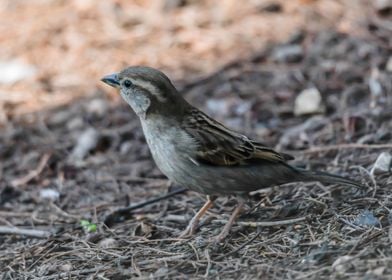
111,80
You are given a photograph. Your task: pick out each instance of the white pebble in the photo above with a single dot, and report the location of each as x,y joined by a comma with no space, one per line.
308,102
86,142
389,64
382,164
97,107
14,71
341,264
49,194
108,243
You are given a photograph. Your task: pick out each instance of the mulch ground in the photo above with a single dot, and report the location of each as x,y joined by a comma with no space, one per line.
335,231
64,170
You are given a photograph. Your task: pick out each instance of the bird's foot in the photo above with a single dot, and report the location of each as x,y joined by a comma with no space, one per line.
190,229
193,224
226,230
220,237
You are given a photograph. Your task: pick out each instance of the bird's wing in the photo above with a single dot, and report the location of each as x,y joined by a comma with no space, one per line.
219,145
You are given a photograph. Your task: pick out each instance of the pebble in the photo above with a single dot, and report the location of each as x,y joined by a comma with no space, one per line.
49,194
366,218
341,264
86,142
97,107
14,71
383,164
66,267
288,53
108,243
389,64
75,123
218,105
308,102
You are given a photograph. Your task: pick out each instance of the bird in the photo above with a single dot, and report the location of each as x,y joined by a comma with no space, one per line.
201,154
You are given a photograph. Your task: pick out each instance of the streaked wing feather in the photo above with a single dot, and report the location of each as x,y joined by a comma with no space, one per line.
221,146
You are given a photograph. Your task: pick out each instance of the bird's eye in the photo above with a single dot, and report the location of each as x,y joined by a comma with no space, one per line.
127,83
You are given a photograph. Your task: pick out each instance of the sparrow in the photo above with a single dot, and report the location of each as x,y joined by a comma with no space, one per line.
197,152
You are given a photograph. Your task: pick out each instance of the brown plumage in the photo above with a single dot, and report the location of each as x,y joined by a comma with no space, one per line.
219,145
196,151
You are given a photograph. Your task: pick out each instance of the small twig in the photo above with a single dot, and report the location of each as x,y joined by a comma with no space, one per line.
14,214
239,248
207,255
62,213
266,224
28,232
33,173
346,146
163,259
123,213
55,246
73,273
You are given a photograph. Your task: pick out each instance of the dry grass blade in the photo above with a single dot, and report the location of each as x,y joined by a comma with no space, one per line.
33,173
26,232
267,224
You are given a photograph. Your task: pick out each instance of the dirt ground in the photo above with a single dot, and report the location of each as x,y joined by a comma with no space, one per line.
72,153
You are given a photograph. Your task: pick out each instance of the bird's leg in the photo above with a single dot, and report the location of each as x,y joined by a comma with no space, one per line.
191,228
225,231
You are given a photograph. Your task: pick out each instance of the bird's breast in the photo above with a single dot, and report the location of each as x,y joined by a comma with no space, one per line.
172,150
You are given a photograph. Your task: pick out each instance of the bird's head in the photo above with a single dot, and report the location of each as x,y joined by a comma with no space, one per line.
147,90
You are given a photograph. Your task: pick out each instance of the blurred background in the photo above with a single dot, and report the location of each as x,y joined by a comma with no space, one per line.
54,51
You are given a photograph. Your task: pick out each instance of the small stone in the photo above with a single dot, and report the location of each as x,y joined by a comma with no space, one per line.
366,218
218,105
108,243
379,271
389,64
49,194
288,53
162,272
383,164
242,108
126,147
75,123
308,102
60,117
97,107
66,267
316,255
14,71
85,143
341,264
374,84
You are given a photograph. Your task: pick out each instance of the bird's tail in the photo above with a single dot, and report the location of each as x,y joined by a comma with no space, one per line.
328,178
